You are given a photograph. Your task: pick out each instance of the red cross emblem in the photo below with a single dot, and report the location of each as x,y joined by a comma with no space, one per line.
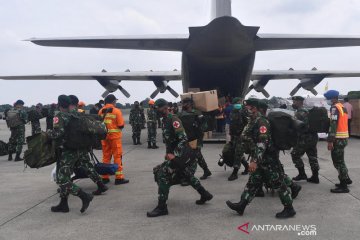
56,120
263,129
176,124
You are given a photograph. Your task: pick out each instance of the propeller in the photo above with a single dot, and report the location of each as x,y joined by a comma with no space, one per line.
161,87
308,84
111,85
259,86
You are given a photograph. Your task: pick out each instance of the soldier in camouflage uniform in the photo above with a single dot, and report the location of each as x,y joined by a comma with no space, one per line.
17,138
338,139
35,123
264,165
306,143
66,160
84,161
137,120
151,125
179,162
198,126
238,119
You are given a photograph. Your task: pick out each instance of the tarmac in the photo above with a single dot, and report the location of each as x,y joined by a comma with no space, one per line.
26,196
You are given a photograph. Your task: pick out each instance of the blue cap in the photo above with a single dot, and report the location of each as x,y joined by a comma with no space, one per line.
331,94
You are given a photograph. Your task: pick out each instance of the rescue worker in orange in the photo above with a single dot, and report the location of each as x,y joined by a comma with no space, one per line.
112,145
338,139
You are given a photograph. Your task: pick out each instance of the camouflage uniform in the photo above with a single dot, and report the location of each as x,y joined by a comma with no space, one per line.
306,143
238,121
175,140
337,154
17,138
35,127
151,125
137,120
269,169
49,119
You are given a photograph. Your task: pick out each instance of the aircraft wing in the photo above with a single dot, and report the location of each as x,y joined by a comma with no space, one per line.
119,76
266,42
148,42
302,74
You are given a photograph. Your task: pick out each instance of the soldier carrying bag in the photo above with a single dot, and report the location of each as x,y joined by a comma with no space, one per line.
13,118
40,152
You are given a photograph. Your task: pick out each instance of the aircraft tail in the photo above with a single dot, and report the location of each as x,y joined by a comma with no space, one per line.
220,8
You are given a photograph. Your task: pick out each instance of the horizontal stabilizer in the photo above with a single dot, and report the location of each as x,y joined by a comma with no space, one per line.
267,42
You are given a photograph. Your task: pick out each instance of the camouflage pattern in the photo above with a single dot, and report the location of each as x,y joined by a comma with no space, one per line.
151,125
239,147
306,143
85,163
269,169
338,152
137,121
49,119
17,137
66,158
176,140
35,127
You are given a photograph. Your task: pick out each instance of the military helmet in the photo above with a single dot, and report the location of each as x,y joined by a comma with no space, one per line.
298,98
254,102
64,101
161,103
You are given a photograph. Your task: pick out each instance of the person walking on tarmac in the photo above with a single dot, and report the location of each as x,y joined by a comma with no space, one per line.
112,145
16,118
151,125
136,120
338,139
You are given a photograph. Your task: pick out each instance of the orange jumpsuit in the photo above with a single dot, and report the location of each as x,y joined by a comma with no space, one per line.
112,145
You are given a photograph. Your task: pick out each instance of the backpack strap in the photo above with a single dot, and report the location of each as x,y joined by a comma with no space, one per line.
93,157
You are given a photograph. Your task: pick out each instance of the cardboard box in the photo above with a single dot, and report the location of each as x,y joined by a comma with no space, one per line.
204,101
355,122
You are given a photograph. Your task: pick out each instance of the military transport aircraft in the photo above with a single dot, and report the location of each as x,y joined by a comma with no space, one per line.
218,56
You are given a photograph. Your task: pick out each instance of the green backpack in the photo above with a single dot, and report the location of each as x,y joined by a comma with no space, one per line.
40,152
84,131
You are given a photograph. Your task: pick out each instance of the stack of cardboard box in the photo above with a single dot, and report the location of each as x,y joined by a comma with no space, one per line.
355,122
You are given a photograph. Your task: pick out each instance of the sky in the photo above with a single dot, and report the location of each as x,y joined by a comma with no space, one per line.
23,19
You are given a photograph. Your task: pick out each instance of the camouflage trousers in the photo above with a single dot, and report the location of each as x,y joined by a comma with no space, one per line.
85,163
307,146
271,177
337,156
167,177
239,157
17,139
136,130
151,126
200,159
64,169
35,127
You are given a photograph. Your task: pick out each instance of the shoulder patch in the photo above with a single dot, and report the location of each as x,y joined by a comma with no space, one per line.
263,129
176,124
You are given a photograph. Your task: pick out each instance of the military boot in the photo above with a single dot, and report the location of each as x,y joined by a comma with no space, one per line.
238,207
149,145
301,176
101,188
260,193
234,175
138,141
205,196
246,171
348,181
18,158
62,207
315,177
288,212
155,146
342,188
86,199
207,174
134,141
295,189
10,158
160,210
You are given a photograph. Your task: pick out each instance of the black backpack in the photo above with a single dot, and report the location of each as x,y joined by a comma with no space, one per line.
192,125
3,148
283,130
228,154
319,121
84,132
